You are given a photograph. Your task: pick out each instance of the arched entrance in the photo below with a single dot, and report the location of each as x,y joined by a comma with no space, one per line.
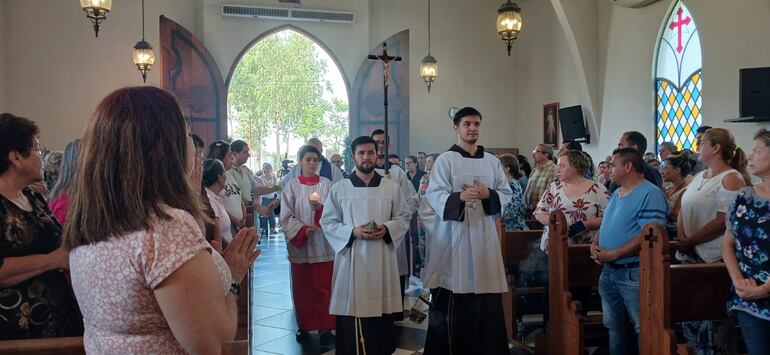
284,88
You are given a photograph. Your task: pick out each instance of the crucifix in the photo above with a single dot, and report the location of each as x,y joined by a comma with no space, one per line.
386,59
681,22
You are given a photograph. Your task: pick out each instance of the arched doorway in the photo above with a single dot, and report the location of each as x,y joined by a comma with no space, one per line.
284,88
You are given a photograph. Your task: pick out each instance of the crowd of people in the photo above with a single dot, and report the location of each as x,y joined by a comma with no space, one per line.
125,234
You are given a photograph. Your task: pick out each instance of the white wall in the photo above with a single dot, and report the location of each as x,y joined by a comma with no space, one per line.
544,72
226,37
54,71
57,71
474,69
733,37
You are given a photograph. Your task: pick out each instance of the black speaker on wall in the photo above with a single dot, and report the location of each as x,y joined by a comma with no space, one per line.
573,127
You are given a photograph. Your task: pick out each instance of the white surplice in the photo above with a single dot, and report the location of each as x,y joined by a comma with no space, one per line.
365,281
398,175
465,256
296,213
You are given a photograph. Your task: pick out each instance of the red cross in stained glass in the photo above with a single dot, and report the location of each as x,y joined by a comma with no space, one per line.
681,22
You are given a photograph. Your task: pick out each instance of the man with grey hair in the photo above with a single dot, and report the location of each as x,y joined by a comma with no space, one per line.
325,168
543,174
337,161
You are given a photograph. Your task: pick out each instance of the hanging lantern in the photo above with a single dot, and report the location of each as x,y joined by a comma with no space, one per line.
509,23
429,65
429,70
96,11
143,56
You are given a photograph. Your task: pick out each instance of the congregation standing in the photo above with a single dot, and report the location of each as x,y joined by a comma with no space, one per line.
169,221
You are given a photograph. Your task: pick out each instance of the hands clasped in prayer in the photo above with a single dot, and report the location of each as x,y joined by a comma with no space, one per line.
363,232
475,192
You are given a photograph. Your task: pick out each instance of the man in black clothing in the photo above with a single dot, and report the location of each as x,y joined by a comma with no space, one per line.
636,140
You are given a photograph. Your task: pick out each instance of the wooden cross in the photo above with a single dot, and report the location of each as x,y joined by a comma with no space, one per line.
386,59
651,238
678,25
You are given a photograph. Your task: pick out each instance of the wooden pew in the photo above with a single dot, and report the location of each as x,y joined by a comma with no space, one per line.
74,346
43,346
568,267
675,293
516,246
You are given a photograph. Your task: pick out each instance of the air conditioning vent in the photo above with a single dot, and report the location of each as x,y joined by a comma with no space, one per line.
275,13
330,16
252,11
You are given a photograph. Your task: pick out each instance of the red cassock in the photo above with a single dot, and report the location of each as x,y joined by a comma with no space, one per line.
312,285
312,288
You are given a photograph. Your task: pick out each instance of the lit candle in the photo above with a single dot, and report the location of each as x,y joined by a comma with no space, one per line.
315,197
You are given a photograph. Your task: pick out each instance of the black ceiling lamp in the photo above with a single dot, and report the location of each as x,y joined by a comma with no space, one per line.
96,11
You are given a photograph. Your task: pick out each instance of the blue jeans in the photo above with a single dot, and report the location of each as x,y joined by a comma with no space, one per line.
619,289
755,333
267,223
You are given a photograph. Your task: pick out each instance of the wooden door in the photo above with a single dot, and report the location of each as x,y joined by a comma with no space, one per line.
189,71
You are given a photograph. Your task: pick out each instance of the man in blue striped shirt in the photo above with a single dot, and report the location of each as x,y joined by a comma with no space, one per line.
635,203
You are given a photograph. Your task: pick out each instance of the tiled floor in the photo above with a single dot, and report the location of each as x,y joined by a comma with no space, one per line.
272,315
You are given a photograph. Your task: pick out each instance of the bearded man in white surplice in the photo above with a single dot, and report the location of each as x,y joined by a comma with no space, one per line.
364,218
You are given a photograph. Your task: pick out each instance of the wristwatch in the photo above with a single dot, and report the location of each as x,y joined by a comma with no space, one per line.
235,288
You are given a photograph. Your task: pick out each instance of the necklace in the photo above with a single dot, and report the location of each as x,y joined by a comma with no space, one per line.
706,179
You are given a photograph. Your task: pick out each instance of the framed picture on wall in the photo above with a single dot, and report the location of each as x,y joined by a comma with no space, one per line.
551,124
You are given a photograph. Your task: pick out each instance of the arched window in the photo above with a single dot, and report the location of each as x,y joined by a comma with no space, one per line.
678,80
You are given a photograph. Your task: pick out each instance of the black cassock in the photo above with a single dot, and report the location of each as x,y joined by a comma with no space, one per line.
466,323
368,335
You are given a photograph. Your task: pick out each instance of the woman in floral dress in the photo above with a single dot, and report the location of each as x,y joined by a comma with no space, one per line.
581,200
746,251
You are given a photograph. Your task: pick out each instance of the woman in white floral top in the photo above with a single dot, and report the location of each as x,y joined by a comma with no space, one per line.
581,200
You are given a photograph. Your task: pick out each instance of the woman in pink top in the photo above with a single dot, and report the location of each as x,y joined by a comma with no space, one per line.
58,198
145,278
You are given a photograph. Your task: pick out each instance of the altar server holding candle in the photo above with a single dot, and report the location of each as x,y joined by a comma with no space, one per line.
311,256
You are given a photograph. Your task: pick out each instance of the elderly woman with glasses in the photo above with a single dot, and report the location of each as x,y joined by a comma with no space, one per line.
35,299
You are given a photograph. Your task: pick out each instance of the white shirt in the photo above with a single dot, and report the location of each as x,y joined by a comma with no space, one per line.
365,281
223,220
231,196
700,204
246,182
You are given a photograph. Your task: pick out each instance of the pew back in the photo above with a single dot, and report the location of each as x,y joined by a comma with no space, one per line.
568,266
675,293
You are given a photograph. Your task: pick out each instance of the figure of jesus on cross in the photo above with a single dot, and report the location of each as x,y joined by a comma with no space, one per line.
681,22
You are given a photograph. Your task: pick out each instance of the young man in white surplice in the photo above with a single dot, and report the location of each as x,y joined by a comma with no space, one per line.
468,189
363,219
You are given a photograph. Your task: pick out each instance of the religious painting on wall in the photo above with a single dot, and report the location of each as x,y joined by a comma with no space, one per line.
678,80
551,124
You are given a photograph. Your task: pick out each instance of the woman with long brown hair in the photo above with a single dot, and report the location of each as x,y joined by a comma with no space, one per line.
137,248
701,221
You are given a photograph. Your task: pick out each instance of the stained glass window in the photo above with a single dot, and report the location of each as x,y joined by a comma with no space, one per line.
678,80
